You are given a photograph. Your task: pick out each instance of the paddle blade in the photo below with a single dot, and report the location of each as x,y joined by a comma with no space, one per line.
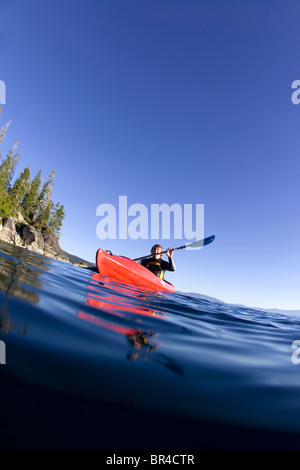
198,244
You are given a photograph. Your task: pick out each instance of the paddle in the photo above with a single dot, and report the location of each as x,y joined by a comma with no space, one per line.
196,244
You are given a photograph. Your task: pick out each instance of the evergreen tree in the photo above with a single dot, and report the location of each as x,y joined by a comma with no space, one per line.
36,206
14,161
7,170
3,129
30,202
20,188
6,206
44,209
46,214
47,187
4,175
55,223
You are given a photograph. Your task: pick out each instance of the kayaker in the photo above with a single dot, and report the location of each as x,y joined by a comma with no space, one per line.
156,264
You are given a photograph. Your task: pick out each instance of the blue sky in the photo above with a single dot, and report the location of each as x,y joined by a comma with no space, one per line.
166,101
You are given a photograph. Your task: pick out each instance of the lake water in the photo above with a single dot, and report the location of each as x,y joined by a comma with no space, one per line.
94,364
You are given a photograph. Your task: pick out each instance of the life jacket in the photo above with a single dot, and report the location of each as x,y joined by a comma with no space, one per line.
155,268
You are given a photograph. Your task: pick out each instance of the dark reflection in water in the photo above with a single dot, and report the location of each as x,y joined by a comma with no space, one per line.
19,277
7,324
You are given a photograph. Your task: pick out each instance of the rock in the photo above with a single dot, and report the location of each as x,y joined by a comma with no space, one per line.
52,245
8,230
33,239
9,223
17,231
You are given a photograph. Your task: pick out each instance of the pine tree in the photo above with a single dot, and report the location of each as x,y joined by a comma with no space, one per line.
24,195
30,203
47,187
14,161
47,213
4,175
20,188
7,170
55,223
44,210
3,129
6,206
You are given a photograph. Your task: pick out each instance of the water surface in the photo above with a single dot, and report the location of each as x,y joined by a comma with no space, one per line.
94,364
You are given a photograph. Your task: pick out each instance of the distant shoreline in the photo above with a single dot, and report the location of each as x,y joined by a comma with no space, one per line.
213,299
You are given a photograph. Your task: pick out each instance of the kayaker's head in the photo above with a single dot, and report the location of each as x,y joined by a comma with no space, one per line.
156,251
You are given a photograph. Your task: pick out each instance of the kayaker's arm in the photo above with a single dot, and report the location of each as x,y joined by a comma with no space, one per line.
170,259
168,265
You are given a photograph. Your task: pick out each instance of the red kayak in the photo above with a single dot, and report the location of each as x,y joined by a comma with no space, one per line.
128,271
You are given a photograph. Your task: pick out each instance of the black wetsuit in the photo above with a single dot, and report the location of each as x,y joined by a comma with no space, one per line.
158,266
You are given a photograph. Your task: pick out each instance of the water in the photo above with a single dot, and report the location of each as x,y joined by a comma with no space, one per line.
91,363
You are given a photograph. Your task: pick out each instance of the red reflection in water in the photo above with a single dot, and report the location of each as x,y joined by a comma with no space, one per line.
117,306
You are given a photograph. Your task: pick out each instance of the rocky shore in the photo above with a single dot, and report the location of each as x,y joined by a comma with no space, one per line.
17,231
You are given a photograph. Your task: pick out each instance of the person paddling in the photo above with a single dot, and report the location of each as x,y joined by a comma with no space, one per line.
156,264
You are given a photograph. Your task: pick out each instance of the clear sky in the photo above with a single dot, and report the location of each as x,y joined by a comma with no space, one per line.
166,101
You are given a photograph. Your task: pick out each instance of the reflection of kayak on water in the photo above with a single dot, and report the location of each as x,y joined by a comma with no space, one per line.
128,271
115,302
116,316
143,344
117,307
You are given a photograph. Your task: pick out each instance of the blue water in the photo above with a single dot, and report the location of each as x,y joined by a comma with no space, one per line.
91,363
